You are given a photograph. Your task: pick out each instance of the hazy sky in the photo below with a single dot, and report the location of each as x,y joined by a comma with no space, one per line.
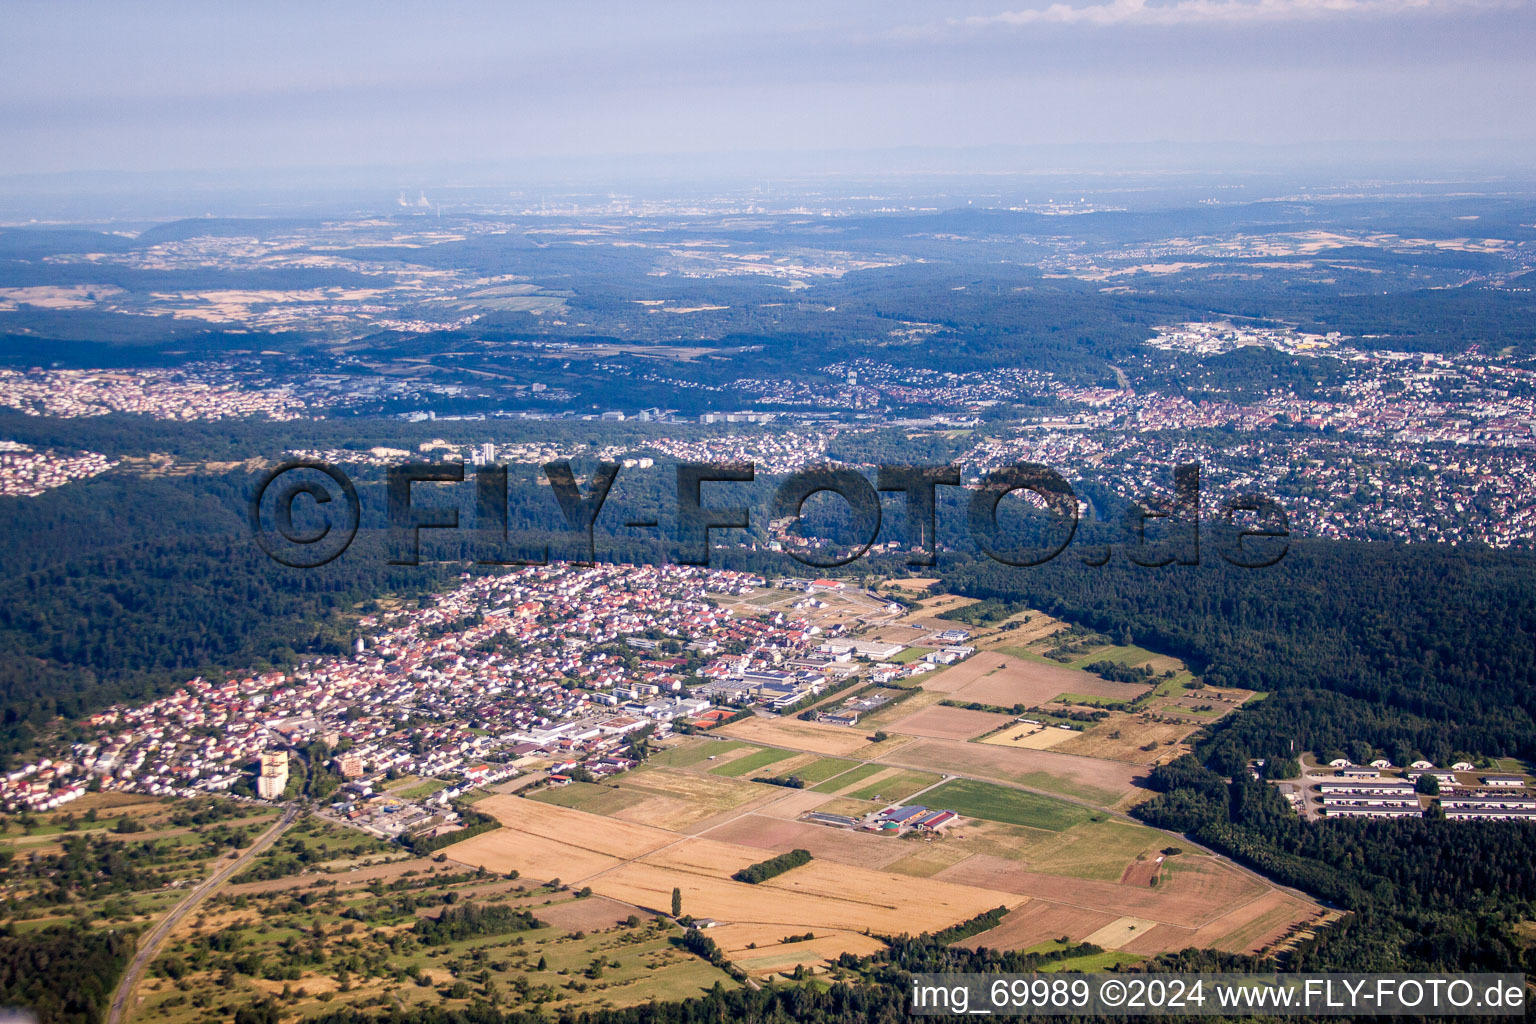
155,87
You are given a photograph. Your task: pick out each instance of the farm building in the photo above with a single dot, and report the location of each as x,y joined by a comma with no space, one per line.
936,821
901,815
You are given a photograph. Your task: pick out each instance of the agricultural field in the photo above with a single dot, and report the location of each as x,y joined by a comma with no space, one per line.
832,740
849,779
1047,858
692,752
752,763
892,785
1000,803
1097,781
640,866
1125,737
1029,737
1009,676
941,722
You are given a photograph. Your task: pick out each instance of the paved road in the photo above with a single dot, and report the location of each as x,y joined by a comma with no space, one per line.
151,943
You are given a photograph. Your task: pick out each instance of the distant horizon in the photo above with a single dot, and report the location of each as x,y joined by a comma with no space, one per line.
159,86
1160,174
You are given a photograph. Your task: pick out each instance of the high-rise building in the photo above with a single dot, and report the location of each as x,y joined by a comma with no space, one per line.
274,774
351,765
487,453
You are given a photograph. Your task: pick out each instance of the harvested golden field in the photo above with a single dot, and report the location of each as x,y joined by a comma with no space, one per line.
545,841
640,866
1031,737
794,803
1121,737
791,732
709,857
839,845
1040,921
507,849
588,831
769,955
832,896
1005,678
676,800
1119,932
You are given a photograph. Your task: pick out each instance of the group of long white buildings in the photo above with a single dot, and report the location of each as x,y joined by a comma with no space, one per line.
1365,793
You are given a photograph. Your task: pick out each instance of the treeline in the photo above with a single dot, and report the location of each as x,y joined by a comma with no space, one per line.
787,781
471,919
984,921
764,870
1430,648
62,975
1118,673
475,822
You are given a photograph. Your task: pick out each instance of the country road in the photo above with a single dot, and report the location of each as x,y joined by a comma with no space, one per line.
150,945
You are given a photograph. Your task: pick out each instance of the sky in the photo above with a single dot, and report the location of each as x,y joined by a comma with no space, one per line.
162,87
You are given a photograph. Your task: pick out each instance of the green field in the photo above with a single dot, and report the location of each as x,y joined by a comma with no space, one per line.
999,803
1092,962
751,763
421,789
826,768
691,753
1099,850
854,777
588,796
1129,655
895,787
910,655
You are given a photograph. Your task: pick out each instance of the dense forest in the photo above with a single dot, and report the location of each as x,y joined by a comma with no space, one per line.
1408,651
65,975
1418,647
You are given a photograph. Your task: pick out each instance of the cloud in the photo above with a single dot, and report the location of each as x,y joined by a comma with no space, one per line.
1219,12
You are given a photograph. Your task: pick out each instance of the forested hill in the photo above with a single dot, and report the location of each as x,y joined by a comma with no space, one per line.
1422,646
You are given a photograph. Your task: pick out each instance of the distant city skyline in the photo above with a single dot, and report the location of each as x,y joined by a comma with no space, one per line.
156,88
